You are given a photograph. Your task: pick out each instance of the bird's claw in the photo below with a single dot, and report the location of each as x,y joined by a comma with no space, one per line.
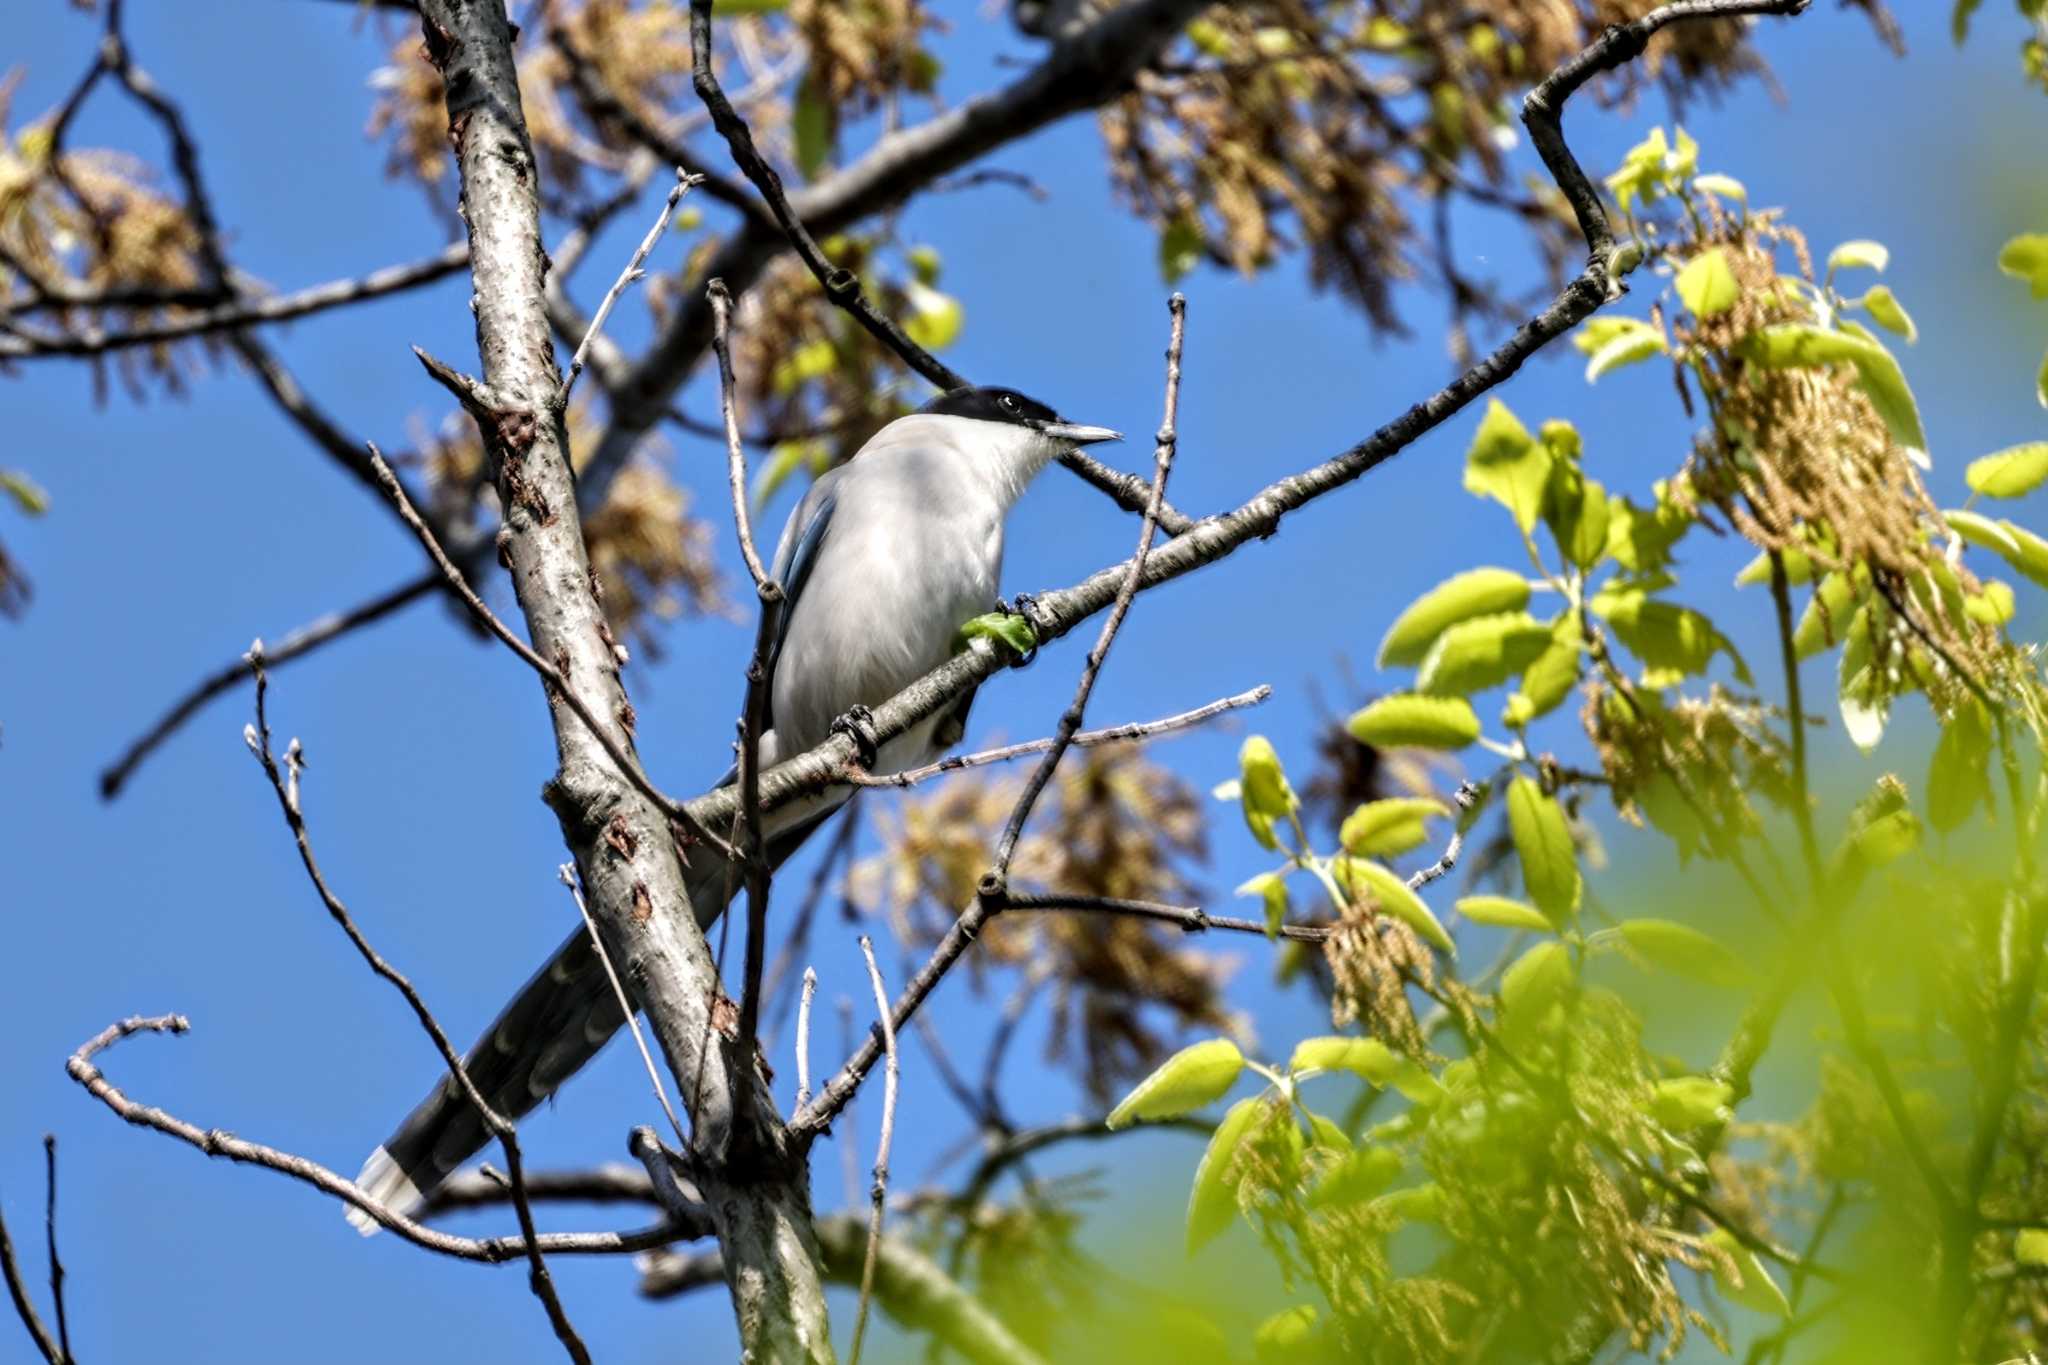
858,725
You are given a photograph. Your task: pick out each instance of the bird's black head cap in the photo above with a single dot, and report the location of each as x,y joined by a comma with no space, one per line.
992,405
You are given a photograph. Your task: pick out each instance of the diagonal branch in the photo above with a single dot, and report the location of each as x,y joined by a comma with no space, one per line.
24,1306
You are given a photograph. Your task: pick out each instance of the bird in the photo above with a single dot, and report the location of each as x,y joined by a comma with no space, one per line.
882,561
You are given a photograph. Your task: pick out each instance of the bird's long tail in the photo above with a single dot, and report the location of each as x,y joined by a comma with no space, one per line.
559,1020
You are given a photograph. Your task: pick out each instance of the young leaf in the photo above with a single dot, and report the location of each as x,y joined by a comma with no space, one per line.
1576,510
1186,1081
1707,284
1393,896
935,319
1626,347
1476,592
1865,254
1405,720
2010,473
1958,776
1385,829
1180,248
1747,1283
1270,887
1994,606
1481,653
1537,980
1357,1178
1687,1102
1504,913
1673,642
1543,843
2026,257
1826,619
1721,186
1887,312
1289,1334
1508,465
1788,345
1860,685
2041,382
1263,789
2031,1246
1798,569
1212,1203
26,492
1553,675
1685,950
1365,1057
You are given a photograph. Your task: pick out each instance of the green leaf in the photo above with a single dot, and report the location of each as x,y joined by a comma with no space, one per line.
1638,341
1408,720
1882,828
2026,257
1639,538
1270,887
2041,382
1798,569
1504,913
1576,510
1357,1178
1825,622
1392,895
1180,248
1508,465
813,125
1287,1335
1673,642
1789,345
812,360
1481,653
2010,473
1388,828
1721,186
935,319
1859,254
1597,331
1958,775
1543,843
1367,1057
1537,980
1682,949
730,9
1981,530
1687,1102
1417,1204
2021,548
2031,1246
1747,1283
1011,632
1994,606
1476,592
1191,1078
1887,312
27,494
1212,1203
1860,685
786,459
1551,677
1707,284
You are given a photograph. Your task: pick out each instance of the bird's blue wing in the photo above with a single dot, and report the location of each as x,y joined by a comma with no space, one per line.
796,556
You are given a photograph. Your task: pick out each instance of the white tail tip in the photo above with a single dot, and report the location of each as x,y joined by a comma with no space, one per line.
384,1183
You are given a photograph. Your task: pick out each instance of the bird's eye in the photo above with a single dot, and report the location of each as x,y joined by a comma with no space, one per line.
1009,401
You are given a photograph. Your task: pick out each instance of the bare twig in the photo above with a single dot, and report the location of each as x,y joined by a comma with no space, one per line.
1086,739
50,1235
302,641
217,1143
1191,918
879,1192
287,791
1464,798
632,272
803,1038
24,1306
736,460
558,686
567,872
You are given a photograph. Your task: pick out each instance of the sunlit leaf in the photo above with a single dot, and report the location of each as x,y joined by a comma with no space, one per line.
1683,1103
1553,674
1628,346
1422,722
1476,592
1504,913
1797,344
1721,186
1958,775
935,319
1357,1178
1861,694
1748,1283
1195,1076
1507,464
1825,622
1543,843
1390,891
1390,827
1271,889
2010,473
1860,254
1685,950
1481,653
1887,312
1287,1335
1180,249
26,493
1212,1203
1798,569
1673,642
1536,980
1707,284
2026,257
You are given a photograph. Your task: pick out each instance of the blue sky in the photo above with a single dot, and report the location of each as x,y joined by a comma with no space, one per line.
179,529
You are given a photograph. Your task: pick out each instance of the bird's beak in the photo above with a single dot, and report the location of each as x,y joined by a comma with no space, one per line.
1075,434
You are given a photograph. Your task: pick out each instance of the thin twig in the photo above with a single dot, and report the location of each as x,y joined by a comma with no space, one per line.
1464,798
286,788
1190,918
803,1038
218,1143
736,459
50,1234
24,1306
558,686
1087,739
879,1192
567,872
632,272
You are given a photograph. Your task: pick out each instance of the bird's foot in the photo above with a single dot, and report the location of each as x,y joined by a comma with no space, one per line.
858,725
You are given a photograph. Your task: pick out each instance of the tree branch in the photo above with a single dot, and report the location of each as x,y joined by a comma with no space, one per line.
25,1307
